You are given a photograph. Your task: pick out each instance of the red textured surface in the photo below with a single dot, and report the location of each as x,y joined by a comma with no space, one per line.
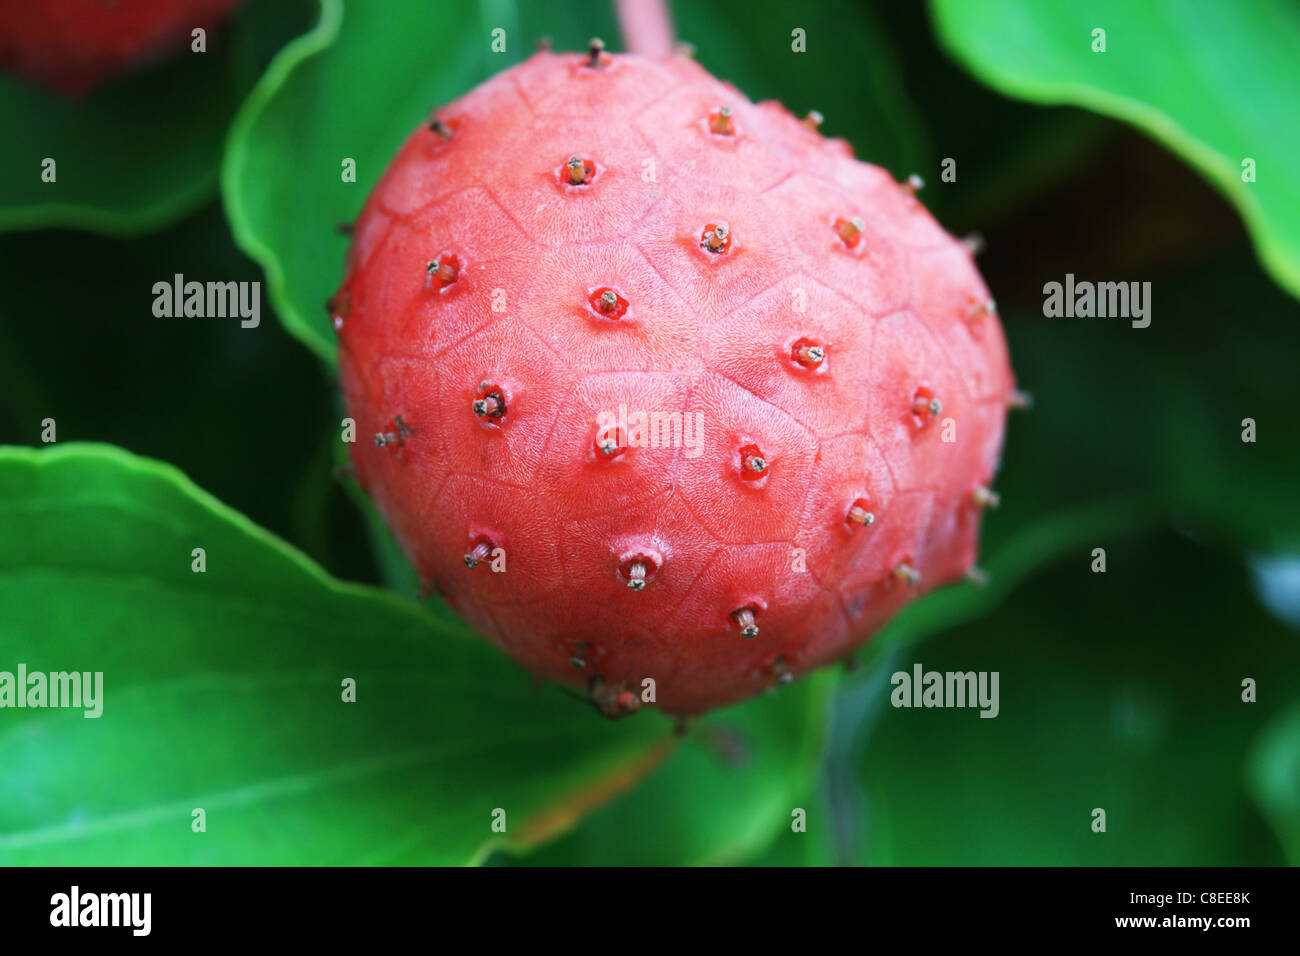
705,333
73,45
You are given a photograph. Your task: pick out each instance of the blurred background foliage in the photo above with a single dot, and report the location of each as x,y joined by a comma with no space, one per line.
155,137
1119,691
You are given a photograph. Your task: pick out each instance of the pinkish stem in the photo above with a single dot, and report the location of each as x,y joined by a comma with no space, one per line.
647,27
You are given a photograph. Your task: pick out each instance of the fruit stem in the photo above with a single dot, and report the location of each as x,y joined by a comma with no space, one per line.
647,27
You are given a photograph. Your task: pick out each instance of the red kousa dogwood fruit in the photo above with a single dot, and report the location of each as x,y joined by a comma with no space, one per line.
663,384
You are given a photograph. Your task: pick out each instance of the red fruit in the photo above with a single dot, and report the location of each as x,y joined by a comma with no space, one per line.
829,378
73,45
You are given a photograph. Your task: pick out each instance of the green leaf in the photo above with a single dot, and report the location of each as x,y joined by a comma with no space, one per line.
1038,150
1214,82
352,88
369,74
814,846
222,691
1116,691
1275,776
143,149
196,392
729,790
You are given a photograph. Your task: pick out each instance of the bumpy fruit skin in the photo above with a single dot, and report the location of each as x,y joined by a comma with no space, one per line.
818,247
74,45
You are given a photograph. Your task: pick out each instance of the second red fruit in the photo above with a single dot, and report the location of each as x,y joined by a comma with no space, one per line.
74,45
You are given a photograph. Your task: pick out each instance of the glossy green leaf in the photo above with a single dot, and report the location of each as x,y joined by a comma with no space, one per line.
369,73
1039,151
1213,81
144,148
222,691
1120,691
198,393
735,784
353,88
